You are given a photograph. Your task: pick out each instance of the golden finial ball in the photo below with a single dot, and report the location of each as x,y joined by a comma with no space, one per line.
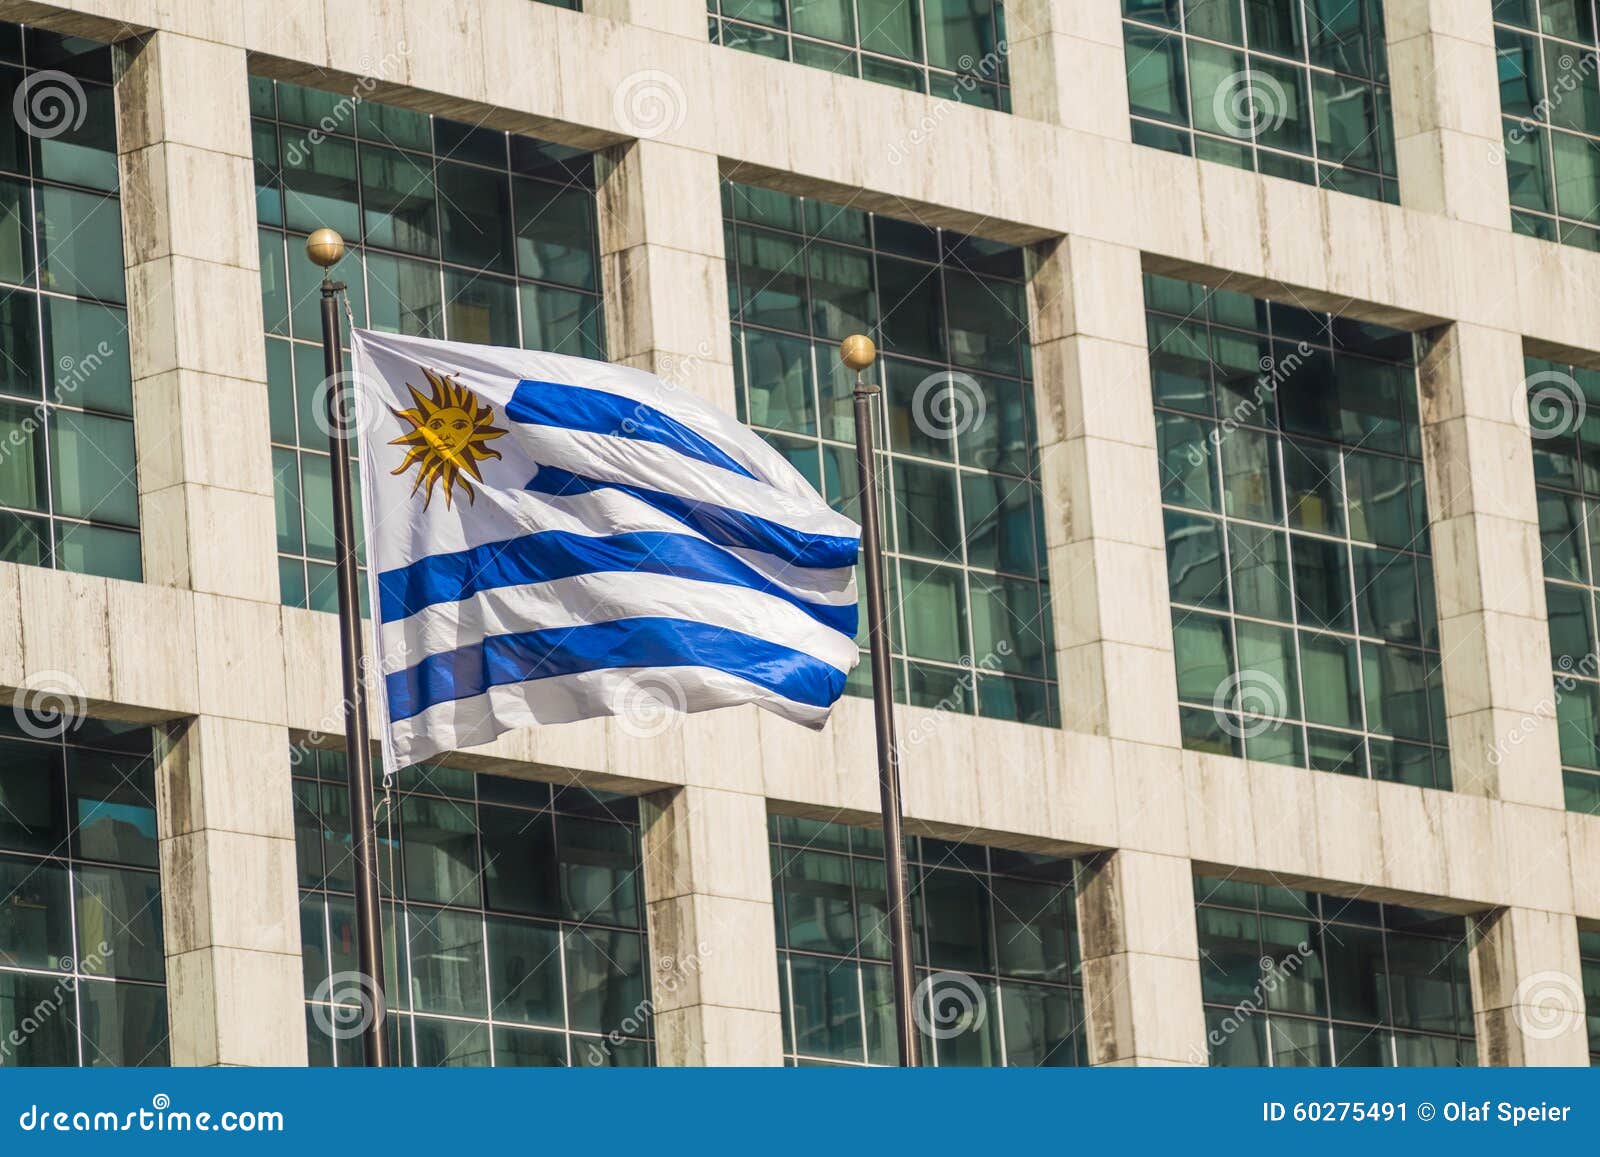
857,352
325,248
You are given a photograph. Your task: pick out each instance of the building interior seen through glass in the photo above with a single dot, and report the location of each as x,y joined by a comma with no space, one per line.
513,920
82,961
995,943
1550,113
963,515
948,48
1291,88
69,496
1566,469
453,231
1293,978
1303,606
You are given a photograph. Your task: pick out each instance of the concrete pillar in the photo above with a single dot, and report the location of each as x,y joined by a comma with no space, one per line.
205,495
1484,520
680,17
1141,960
1448,140
713,951
1527,989
662,265
1103,527
1067,64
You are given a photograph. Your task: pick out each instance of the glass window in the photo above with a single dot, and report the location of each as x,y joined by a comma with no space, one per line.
454,232
961,501
955,48
1297,550
519,935
1292,88
1297,978
82,962
995,939
1566,468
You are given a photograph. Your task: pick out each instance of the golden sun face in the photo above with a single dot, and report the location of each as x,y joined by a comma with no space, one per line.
446,439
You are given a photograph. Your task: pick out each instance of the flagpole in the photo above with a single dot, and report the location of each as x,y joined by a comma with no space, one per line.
858,353
325,248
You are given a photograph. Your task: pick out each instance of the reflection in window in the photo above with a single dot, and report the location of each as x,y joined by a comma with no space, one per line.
1564,421
513,920
1303,613
1550,113
68,490
1290,88
1589,952
949,48
82,961
995,939
454,232
961,505
1295,978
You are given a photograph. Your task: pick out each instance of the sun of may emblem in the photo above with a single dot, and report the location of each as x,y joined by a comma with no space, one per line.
446,439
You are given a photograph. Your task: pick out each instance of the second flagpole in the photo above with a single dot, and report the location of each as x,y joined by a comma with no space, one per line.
858,354
325,248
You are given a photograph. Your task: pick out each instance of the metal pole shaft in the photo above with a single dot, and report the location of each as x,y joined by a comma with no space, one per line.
894,853
357,738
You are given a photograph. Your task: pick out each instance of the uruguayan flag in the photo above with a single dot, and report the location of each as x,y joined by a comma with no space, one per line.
551,539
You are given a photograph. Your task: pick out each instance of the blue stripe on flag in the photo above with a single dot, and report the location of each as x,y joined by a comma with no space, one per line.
720,524
598,412
556,554
629,643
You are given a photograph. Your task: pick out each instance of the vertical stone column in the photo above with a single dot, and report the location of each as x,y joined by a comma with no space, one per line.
662,265
205,495
1067,64
1108,586
1527,989
1141,961
714,956
1484,521
1448,140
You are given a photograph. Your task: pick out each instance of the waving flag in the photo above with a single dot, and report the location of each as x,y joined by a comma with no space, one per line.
552,539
